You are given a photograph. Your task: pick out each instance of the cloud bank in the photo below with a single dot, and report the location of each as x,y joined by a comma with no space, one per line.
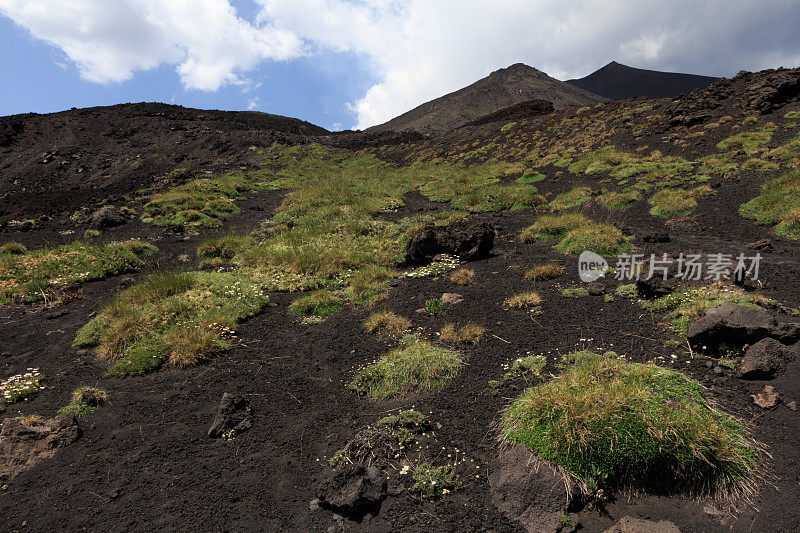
419,49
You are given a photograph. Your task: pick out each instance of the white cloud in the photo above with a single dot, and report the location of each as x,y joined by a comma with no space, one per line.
423,49
109,40
418,49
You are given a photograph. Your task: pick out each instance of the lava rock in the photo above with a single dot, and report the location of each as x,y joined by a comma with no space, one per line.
656,287
765,359
353,489
768,398
106,218
22,446
452,298
469,241
731,325
233,414
529,491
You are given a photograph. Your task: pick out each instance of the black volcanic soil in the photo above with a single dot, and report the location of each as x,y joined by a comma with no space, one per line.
144,462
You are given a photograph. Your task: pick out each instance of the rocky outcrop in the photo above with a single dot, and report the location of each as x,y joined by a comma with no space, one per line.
22,446
234,415
765,359
469,241
736,326
353,489
529,491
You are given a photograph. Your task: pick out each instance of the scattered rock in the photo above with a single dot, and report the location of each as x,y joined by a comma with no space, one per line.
233,414
353,489
23,446
762,245
452,298
768,398
656,287
528,490
736,325
637,525
765,359
106,218
469,241
596,288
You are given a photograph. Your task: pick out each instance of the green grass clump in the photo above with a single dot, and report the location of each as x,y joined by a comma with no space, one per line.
575,292
778,203
686,305
618,200
572,198
433,482
12,248
531,176
552,227
627,290
623,165
224,248
85,401
434,306
418,365
178,318
603,239
611,423
528,365
45,273
200,203
751,142
675,202
319,303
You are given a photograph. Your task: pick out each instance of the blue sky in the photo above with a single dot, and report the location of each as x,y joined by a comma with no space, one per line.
355,63
39,77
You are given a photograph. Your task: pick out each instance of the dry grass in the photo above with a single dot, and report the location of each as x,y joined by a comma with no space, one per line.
544,272
462,276
30,420
469,334
523,299
387,322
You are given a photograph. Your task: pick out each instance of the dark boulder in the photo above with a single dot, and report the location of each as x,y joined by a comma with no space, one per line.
469,241
234,414
656,287
353,489
732,326
765,359
106,218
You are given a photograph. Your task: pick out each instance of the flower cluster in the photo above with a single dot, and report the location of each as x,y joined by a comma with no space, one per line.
21,386
442,264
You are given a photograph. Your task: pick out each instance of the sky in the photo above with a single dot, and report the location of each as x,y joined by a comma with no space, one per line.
354,63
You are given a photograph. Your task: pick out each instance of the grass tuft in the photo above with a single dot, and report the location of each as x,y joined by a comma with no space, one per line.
418,365
469,334
544,272
386,322
610,423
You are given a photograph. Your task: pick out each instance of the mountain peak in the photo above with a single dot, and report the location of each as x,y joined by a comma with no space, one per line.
502,88
617,81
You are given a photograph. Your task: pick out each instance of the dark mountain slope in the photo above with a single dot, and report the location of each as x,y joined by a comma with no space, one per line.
502,88
82,156
617,81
